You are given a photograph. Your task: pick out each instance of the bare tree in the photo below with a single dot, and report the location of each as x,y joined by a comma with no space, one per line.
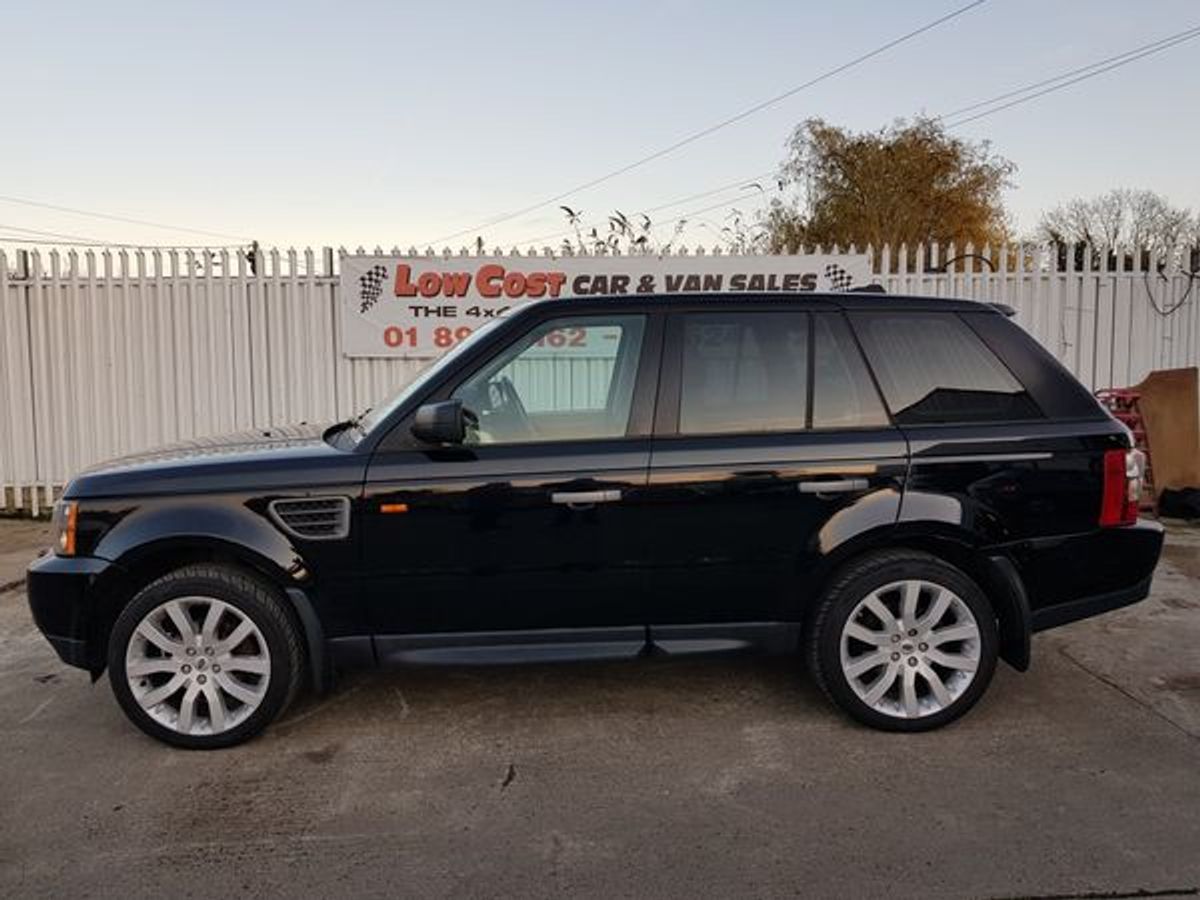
1122,217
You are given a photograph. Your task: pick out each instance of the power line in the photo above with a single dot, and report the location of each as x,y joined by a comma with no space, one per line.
654,227
96,245
1021,94
692,213
740,183
1171,40
683,142
1124,60
62,239
92,245
1092,69
97,215
36,233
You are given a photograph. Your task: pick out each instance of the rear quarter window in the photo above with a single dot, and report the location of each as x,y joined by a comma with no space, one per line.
1053,388
934,369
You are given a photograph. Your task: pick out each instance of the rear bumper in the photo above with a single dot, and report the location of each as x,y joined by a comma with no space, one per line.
1086,607
60,595
1083,575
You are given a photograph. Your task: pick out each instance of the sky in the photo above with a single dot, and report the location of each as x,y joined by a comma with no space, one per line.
311,124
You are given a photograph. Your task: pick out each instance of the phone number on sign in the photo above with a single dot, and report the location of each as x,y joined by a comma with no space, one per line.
443,336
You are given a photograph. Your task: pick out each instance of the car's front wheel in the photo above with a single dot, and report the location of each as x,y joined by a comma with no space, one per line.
205,657
903,641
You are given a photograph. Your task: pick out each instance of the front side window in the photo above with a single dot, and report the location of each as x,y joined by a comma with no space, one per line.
744,372
376,415
568,379
932,368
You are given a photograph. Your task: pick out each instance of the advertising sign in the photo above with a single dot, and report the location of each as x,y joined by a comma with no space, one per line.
420,306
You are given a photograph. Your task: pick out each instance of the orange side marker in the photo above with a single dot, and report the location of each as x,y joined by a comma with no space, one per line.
393,507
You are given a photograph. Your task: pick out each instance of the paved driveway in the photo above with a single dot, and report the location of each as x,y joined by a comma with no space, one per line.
715,777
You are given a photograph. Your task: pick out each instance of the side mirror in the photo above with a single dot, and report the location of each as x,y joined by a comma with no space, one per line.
440,423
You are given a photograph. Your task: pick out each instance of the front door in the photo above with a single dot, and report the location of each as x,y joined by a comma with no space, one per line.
537,521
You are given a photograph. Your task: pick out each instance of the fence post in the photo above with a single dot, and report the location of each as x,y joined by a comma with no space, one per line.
10,407
24,275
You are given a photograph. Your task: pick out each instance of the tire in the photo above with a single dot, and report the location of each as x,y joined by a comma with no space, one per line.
949,636
219,683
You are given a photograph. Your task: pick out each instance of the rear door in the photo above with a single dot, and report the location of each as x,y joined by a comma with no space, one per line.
769,431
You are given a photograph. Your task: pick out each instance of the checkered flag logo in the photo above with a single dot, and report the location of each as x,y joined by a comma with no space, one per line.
839,278
370,286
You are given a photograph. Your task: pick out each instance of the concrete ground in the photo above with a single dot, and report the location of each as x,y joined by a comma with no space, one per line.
726,777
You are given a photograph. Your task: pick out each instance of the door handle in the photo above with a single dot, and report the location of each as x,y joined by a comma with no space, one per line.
841,486
580,499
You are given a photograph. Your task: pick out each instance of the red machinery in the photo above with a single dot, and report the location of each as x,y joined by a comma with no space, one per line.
1123,404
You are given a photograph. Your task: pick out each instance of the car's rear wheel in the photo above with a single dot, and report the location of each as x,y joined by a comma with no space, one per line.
903,641
204,657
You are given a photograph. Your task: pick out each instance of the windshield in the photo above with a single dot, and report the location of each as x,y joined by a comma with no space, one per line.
380,412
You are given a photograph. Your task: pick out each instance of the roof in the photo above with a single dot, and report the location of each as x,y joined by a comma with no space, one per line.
807,299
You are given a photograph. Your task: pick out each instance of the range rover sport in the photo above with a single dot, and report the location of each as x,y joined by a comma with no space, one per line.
899,490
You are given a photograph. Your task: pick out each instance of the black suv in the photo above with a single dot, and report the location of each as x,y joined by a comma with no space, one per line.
900,489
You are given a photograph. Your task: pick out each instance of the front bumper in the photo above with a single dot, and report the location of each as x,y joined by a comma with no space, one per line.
61,599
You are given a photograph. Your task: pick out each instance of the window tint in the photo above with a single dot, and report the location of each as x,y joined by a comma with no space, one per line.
843,394
744,372
1051,386
568,379
933,368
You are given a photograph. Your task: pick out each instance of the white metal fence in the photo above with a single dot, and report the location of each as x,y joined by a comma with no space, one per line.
105,353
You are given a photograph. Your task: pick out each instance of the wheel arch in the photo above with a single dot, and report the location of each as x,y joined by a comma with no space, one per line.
142,564
994,572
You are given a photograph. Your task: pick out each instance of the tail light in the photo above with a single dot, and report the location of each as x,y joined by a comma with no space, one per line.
1123,475
66,515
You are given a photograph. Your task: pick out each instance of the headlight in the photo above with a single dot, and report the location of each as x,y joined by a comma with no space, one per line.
66,514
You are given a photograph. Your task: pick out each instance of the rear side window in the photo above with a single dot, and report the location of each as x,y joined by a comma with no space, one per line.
843,393
933,369
744,372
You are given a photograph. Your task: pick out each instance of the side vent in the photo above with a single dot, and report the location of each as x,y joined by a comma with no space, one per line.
313,518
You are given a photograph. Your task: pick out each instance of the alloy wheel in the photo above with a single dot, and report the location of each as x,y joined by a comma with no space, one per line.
198,665
910,649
